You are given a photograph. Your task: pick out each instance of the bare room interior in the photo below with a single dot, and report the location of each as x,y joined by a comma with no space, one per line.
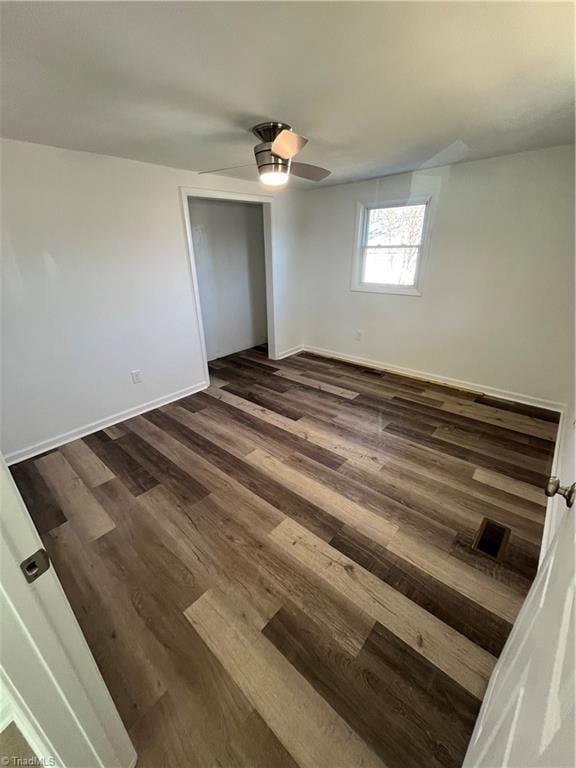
288,363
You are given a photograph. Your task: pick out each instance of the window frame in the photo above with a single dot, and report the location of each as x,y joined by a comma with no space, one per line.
362,213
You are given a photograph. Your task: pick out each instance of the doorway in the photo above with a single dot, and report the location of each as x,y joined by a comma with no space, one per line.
229,252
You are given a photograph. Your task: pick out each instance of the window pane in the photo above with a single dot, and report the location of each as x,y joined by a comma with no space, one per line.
391,266
395,226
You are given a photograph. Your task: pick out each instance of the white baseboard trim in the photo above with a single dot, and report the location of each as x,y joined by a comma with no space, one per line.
26,723
288,352
66,437
54,442
504,394
6,713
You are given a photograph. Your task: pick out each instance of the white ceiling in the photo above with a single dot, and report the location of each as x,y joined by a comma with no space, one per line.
377,87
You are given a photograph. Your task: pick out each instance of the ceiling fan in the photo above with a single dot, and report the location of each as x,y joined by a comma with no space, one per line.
279,144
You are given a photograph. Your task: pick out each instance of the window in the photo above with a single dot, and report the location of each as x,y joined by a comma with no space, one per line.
389,252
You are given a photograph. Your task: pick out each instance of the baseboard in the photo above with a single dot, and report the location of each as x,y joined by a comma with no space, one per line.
24,720
516,397
291,351
109,421
6,713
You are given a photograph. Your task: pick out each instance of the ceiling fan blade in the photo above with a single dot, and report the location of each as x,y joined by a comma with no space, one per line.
229,168
310,172
287,144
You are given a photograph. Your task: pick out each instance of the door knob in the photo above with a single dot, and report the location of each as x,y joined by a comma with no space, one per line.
553,487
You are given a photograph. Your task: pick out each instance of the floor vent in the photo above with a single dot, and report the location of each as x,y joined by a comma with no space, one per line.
492,539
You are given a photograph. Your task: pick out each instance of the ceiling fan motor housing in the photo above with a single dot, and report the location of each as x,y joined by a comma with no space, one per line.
265,159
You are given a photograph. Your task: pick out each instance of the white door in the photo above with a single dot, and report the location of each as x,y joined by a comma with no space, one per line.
49,680
527,717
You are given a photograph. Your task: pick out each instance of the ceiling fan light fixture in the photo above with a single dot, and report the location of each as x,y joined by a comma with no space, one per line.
274,178
273,171
274,156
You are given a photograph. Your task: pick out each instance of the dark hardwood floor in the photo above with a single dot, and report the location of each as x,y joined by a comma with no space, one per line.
280,571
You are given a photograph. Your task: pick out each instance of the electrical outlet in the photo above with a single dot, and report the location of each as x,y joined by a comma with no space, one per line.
136,376
358,335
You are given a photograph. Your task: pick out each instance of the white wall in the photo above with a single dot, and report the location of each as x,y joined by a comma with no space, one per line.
97,283
290,278
228,242
497,298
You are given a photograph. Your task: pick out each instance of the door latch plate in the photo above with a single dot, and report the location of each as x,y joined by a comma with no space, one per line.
35,565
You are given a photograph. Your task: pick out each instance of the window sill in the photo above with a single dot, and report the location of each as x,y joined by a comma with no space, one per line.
399,290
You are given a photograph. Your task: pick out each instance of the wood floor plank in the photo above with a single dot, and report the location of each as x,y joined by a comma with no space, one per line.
271,425
472,437
316,384
495,597
245,427
544,414
130,472
386,447
255,364
244,473
43,506
85,462
215,428
472,457
249,408
388,694
139,552
201,710
445,417
272,401
315,735
394,410
244,480
273,571
130,660
413,383
434,474
516,570
313,432
508,484
336,505
245,376
253,745
167,472
357,381
467,664
217,381
253,358
115,431
510,455
401,515
75,499
442,502
516,422
446,603
312,402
